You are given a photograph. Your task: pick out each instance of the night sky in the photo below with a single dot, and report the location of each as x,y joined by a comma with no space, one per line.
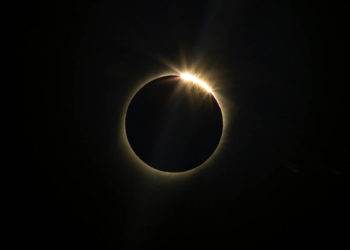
278,180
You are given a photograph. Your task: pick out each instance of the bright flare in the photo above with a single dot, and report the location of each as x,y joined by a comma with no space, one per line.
193,79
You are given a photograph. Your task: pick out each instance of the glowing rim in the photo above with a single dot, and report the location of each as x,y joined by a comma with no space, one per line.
193,79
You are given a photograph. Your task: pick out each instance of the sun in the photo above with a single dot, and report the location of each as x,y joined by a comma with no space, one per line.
208,82
191,78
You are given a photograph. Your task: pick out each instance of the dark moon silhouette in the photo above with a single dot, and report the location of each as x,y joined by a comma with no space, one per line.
173,125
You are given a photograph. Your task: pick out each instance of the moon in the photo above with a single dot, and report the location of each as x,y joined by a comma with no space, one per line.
174,123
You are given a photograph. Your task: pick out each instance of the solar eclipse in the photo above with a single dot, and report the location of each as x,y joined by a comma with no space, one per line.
174,123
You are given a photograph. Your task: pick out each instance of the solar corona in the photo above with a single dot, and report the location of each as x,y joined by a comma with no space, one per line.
174,123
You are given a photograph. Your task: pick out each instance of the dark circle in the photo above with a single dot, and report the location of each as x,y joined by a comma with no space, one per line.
173,125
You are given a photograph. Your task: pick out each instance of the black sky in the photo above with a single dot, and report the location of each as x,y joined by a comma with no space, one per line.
279,180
